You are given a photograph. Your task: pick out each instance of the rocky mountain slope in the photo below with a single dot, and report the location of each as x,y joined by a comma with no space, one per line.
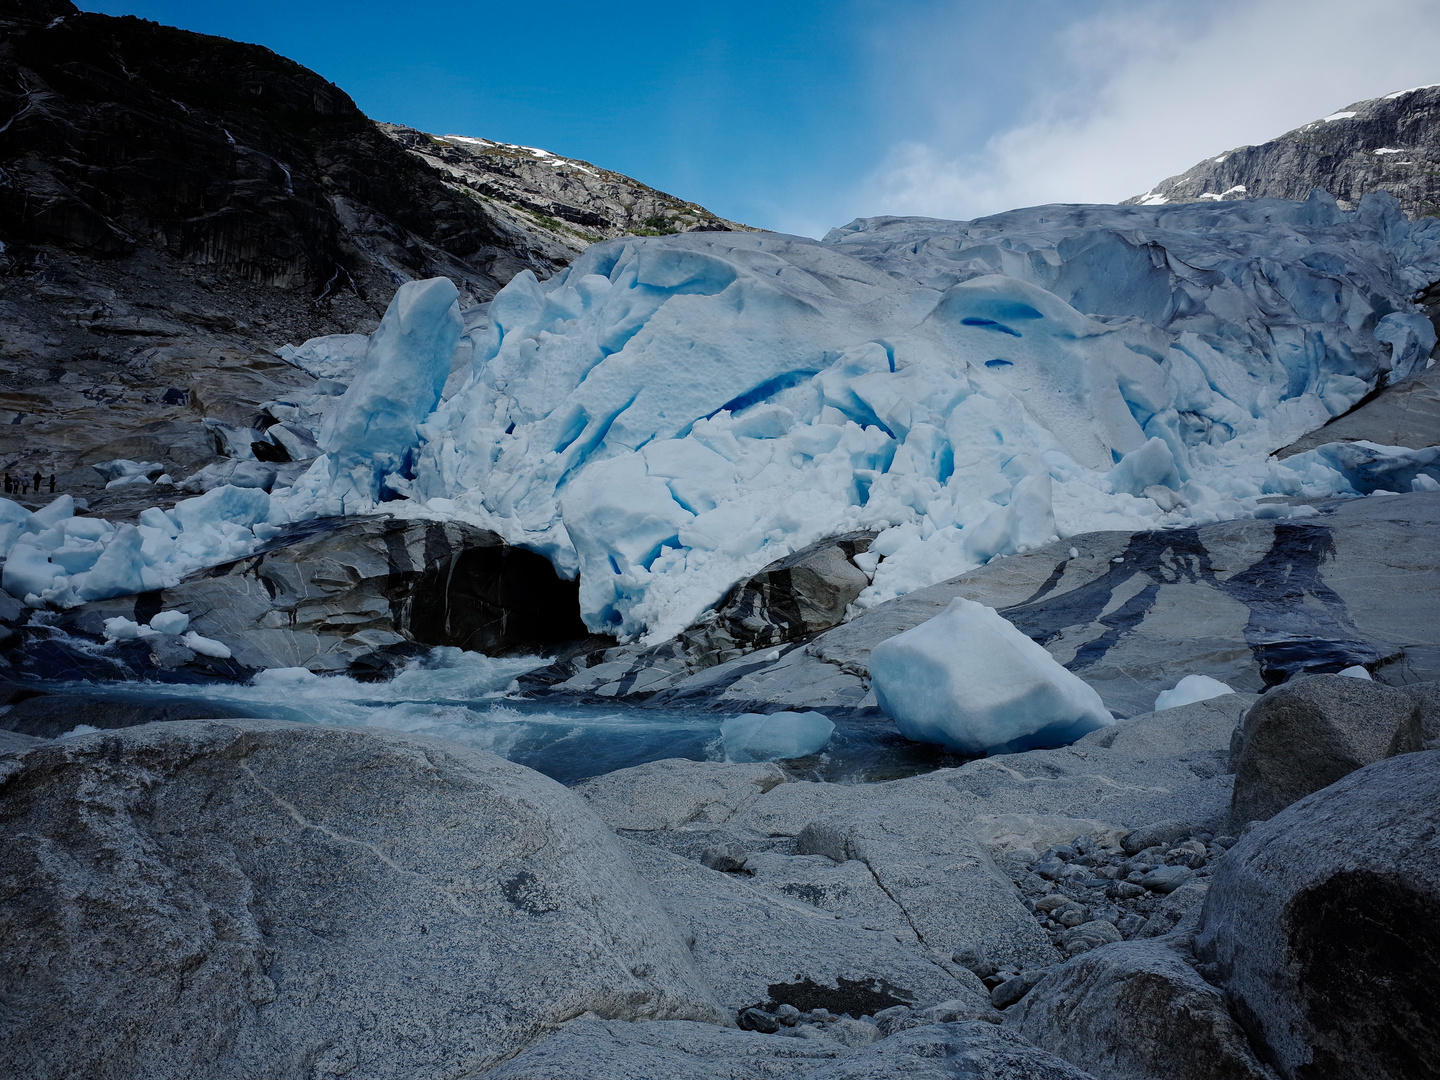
174,206
1390,143
568,202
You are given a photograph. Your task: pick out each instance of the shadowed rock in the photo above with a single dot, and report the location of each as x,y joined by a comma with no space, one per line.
1306,735
1322,925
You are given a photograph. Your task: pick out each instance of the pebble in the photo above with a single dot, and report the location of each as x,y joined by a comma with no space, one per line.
1012,990
754,1019
1166,879
789,1015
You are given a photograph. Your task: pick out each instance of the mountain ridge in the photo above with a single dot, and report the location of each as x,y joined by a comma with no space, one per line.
1390,143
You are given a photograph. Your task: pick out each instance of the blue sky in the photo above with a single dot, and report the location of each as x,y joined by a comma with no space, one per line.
798,114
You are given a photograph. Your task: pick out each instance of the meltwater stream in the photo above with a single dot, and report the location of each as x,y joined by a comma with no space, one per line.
472,699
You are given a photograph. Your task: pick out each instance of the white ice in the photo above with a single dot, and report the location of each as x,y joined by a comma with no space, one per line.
1190,689
1355,671
969,680
170,622
776,737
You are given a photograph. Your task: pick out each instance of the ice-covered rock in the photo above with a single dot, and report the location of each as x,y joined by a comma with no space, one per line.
782,735
969,680
1190,689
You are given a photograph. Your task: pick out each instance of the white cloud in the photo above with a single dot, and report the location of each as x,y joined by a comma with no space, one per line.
1142,90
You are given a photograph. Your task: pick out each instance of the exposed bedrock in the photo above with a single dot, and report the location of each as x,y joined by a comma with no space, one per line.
1321,925
352,596
247,898
675,1050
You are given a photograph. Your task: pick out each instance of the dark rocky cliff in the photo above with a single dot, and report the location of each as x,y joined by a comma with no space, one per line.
1390,143
174,207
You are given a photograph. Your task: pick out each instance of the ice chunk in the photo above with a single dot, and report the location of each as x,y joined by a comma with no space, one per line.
1190,689
118,570
969,680
776,737
28,569
1355,671
205,646
170,622
373,428
120,628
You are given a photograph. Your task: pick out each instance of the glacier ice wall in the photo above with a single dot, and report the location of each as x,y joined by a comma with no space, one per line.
670,414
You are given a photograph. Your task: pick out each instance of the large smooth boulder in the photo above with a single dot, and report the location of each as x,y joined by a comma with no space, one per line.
1321,924
246,898
1305,735
1135,1010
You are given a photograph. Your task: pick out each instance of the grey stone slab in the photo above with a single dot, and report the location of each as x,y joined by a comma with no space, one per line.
756,944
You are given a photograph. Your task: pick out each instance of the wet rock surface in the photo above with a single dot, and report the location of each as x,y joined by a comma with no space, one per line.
793,598
1321,926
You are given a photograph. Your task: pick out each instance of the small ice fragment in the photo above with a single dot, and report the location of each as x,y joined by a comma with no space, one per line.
283,676
205,646
970,680
1190,689
1355,671
1074,553
78,729
122,629
1118,559
170,622
756,737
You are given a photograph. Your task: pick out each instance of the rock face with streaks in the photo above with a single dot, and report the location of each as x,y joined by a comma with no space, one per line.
177,206
1390,143
571,204
1321,927
251,898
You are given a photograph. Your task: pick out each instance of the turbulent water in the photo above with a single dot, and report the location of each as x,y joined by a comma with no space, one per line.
472,699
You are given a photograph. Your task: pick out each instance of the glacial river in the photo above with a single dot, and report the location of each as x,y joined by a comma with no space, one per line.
472,699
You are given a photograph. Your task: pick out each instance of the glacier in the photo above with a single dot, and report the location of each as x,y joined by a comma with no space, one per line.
670,414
